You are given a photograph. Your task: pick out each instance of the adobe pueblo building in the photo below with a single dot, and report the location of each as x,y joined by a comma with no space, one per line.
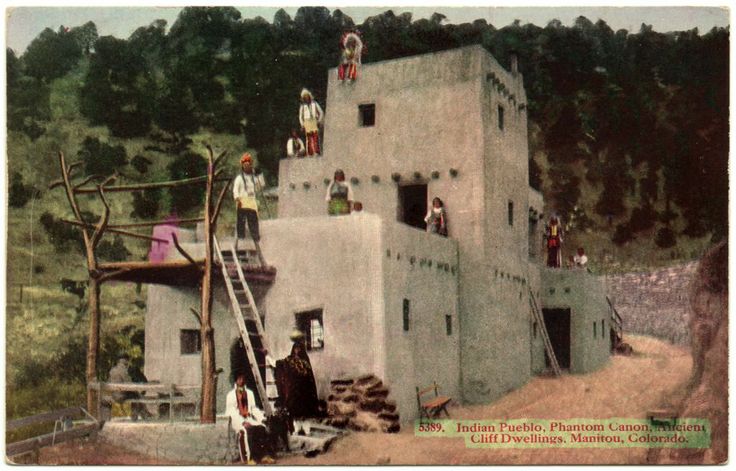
375,293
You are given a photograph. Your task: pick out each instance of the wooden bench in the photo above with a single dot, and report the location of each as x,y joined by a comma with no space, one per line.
662,416
170,394
431,408
67,426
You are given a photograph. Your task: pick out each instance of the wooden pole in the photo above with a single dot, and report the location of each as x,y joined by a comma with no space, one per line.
151,186
209,376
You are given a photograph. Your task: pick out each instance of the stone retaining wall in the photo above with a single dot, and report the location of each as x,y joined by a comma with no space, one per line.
188,443
362,404
655,303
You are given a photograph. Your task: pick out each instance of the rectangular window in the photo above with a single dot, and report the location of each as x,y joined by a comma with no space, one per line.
190,341
367,115
603,328
406,315
500,117
594,332
448,324
511,213
310,323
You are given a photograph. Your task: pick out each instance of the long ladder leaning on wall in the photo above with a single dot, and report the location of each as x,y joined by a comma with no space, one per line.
545,336
246,315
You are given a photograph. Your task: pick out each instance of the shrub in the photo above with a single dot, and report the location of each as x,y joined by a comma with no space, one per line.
113,252
187,165
665,238
140,163
622,234
18,193
146,203
101,158
61,235
642,219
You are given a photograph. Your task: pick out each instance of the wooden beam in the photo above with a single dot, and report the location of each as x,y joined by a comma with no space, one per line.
73,412
46,440
154,223
151,186
116,231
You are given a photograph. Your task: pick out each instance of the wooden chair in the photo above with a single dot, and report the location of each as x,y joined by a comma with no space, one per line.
432,407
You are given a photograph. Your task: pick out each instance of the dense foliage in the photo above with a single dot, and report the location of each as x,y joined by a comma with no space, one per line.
634,124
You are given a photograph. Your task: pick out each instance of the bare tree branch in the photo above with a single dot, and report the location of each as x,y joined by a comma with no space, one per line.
102,225
181,250
87,180
218,205
219,157
197,315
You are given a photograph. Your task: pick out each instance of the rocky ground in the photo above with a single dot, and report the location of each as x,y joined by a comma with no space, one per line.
654,377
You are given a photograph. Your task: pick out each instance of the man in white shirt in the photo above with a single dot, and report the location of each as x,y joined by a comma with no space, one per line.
310,118
244,192
247,420
294,146
580,260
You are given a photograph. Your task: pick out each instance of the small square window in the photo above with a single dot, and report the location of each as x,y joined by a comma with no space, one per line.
367,115
191,343
310,322
448,324
406,315
500,117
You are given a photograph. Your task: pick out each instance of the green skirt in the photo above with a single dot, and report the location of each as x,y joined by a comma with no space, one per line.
338,206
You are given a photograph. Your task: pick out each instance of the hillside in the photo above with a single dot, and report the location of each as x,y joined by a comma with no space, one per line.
628,139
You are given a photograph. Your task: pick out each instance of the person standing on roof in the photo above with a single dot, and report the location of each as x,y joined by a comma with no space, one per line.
311,117
245,187
339,195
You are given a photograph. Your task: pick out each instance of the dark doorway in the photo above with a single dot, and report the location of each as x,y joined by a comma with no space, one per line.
413,205
557,322
239,364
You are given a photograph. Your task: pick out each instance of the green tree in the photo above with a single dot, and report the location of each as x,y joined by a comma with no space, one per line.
52,54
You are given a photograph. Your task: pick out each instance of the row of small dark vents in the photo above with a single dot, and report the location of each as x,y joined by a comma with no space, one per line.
491,77
396,177
426,262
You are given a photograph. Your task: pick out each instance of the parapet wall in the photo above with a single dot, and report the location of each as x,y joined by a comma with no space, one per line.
655,303
186,443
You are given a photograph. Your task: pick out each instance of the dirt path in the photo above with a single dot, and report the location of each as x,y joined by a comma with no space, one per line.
653,377
627,387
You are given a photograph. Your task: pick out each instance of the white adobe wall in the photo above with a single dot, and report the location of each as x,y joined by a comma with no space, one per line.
422,268
330,264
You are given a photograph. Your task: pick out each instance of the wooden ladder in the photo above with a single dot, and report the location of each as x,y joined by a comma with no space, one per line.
246,315
617,323
545,336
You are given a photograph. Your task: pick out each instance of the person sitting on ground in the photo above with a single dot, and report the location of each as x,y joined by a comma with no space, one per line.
436,218
339,195
119,374
295,146
580,259
247,420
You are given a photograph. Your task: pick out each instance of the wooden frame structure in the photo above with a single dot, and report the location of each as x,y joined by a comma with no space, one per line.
181,272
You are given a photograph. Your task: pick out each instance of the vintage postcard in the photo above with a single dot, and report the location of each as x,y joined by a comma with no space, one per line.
308,235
